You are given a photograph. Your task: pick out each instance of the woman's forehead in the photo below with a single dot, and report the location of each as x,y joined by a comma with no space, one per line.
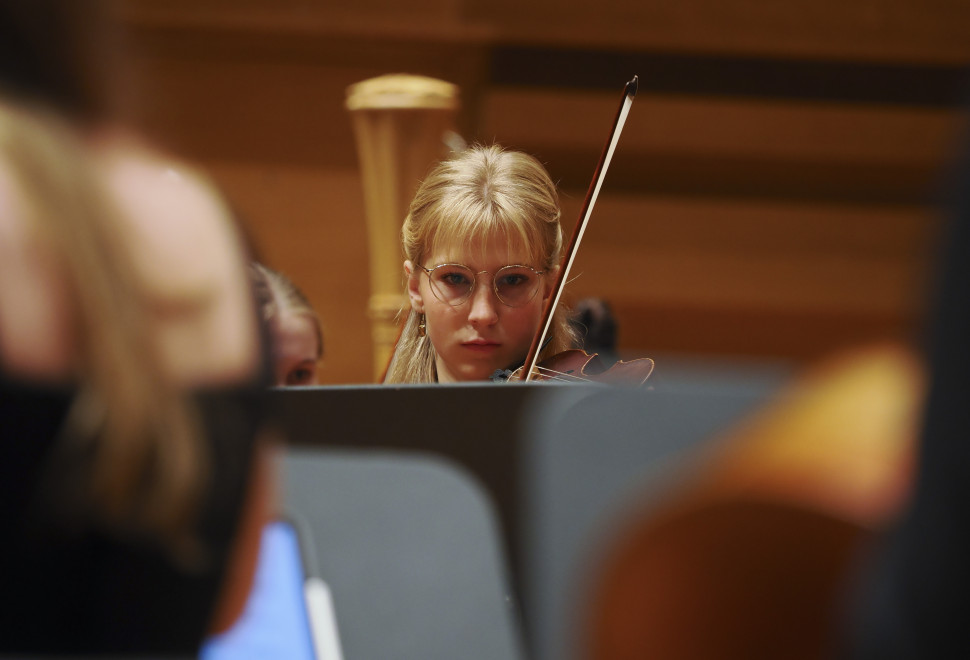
493,250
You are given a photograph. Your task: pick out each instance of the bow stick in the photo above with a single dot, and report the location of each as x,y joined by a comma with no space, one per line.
629,92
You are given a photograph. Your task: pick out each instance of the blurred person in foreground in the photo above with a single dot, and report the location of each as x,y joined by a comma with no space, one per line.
912,601
135,477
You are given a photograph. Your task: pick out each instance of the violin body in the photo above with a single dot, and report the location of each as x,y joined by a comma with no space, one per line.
576,365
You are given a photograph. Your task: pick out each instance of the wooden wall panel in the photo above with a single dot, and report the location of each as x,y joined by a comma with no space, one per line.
772,196
363,18
785,270
309,223
738,236
763,128
861,143
926,31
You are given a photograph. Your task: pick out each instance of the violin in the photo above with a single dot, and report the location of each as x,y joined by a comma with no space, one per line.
575,365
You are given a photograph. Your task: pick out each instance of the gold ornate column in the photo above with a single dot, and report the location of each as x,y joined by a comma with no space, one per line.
401,124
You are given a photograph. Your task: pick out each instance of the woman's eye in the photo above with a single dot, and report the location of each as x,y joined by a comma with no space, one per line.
512,281
454,279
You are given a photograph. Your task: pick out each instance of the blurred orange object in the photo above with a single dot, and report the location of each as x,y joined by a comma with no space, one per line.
749,557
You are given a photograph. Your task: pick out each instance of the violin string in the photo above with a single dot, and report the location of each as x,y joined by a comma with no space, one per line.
559,378
552,374
567,376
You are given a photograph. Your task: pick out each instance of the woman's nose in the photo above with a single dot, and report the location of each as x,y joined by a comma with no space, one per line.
483,304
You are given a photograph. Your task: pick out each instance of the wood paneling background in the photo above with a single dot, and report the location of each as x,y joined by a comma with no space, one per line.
772,197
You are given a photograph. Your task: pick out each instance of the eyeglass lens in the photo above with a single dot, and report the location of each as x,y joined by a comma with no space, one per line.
514,285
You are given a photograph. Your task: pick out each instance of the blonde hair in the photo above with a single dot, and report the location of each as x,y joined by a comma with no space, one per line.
129,455
276,294
479,193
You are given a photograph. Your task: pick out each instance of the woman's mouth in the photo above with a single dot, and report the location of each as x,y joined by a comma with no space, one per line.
481,345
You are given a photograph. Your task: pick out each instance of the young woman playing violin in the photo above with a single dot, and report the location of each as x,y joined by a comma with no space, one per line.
483,243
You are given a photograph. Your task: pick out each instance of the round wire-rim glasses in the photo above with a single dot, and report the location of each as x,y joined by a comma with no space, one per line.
514,285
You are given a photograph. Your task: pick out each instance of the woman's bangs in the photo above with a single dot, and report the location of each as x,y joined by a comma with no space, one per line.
483,229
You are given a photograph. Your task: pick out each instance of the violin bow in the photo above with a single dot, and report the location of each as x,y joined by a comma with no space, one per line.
532,357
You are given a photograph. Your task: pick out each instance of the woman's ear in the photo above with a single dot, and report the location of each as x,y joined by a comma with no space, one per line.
414,287
550,281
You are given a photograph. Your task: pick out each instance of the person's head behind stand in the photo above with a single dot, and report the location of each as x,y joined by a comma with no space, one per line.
482,242
293,324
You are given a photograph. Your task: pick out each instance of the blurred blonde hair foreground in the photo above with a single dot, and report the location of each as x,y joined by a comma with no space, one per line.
129,424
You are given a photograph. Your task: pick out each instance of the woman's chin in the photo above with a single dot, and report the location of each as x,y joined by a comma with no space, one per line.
467,374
